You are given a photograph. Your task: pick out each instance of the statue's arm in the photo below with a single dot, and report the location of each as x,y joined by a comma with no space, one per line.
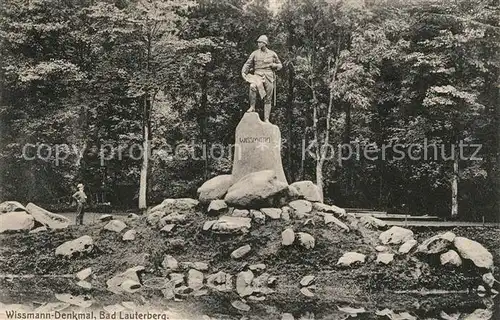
247,66
277,62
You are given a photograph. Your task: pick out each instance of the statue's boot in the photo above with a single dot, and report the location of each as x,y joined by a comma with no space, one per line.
267,112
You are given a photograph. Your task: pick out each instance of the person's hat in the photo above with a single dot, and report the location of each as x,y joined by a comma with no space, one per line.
263,39
80,185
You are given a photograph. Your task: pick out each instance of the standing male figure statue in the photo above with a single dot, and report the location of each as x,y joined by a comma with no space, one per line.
264,62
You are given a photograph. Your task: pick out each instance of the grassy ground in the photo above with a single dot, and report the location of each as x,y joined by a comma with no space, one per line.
370,285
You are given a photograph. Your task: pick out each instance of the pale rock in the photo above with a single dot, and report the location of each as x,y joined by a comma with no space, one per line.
195,279
306,240
318,206
214,188
489,279
172,218
372,222
115,226
385,258
329,218
133,216
241,213
114,308
350,258
307,280
170,263
49,219
285,213
129,235
287,237
208,225
301,208
305,291
216,207
84,274
167,228
437,244
51,307
11,206
450,257
407,246
240,305
396,235
244,283
382,248
84,244
114,284
480,314
16,221
84,284
472,250
287,316
154,217
200,266
228,224
241,252
273,213
308,191
257,190
257,267
258,216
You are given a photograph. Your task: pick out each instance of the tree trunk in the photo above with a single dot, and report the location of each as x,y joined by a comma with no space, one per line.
454,188
203,122
145,157
289,119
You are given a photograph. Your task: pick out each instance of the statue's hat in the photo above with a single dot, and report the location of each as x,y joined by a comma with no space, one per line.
264,39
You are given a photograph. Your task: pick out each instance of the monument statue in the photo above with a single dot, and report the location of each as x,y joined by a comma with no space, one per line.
264,62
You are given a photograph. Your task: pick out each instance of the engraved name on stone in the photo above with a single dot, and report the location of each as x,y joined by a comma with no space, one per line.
255,139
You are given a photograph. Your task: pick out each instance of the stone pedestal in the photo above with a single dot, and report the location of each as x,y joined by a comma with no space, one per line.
257,148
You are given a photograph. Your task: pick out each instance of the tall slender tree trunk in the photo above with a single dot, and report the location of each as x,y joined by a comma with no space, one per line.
203,121
454,187
143,182
289,120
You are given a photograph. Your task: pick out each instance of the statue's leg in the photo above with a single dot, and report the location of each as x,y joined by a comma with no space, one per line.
268,100
253,97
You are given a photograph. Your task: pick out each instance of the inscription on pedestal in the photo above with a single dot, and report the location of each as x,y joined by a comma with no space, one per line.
255,139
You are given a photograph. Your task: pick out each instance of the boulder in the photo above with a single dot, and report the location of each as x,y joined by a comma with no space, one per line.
175,205
154,218
11,206
450,257
489,279
258,216
172,218
114,284
479,314
49,219
115,226
472,250
318,206
385,258
84,244
308,190
257,190
216,207
208,225
215,188
308,293
396,235
228,224
350,258
39,229
257,148
287,237
240,305
382,248
257,267
170,263
241,213
285,213
307,280
301,208
287,316
407,246
195,279
306,240
129,235
167,228
329,218
273,213
372,222
244,283
130,286
84,274
241,252
437,244
16,221
200,266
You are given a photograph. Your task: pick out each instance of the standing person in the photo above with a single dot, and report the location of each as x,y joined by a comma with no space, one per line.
81,200
264,62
